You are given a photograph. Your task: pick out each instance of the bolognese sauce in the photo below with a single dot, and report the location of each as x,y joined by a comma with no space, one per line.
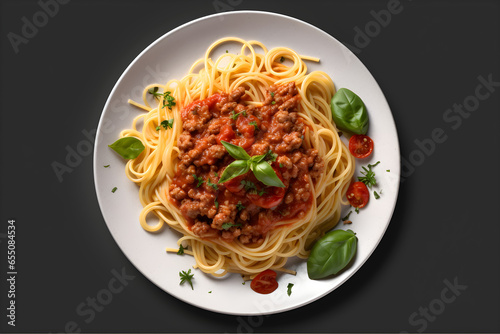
243,208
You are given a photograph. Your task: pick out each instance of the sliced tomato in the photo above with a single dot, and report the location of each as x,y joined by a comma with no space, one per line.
265,282
272,196
234,185
360,146
357,194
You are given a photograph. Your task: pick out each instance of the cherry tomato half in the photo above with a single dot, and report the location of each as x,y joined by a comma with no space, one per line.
234,185
265,282
360,146
357,194
272,196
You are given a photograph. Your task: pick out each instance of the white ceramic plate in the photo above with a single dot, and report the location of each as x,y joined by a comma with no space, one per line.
170,57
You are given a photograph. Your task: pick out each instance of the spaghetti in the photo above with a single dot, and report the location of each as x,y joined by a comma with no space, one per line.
258,75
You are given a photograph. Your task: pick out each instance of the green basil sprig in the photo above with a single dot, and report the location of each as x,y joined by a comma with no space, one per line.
331,253
244,162
349,112
128,147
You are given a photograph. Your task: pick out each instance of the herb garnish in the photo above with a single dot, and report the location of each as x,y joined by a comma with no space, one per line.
240,206
166,124
377,196
128,147
199,179
347,216
257,164
168,100
106,166
216,203
235,116
213,185
181,250
186,277
227,226
289,289
369,175
254,123
114,189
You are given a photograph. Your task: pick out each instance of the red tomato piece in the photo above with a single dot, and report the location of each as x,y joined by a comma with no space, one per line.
247,125
265,282
360,146
226,134
357,194
234,185
272,197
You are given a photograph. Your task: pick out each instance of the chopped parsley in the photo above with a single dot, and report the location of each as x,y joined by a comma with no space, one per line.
347,216
106,166
186,277
377,196
273,102
168,100
252,188
181,250
240,206
114,189
248,185
272,94
369,175
227,226
213,185
289,289
282,59
216,203
356,209
234,116
166,124
254,123
270,156
199,179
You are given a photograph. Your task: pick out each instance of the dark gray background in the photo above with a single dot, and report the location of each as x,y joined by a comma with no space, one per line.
445,227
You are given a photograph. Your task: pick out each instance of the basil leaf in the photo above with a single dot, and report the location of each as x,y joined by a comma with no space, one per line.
128,147
266,174
258,158
235,151
349,112
234,169
331,253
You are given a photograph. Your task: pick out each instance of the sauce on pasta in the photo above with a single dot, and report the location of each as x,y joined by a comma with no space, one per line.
243,207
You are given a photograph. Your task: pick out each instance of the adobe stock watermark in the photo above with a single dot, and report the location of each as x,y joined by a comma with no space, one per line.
88,309
373,28
453,117
31,26
421,318
76,153
248,324
221,6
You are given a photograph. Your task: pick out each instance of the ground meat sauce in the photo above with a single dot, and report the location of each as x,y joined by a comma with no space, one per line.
243,207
